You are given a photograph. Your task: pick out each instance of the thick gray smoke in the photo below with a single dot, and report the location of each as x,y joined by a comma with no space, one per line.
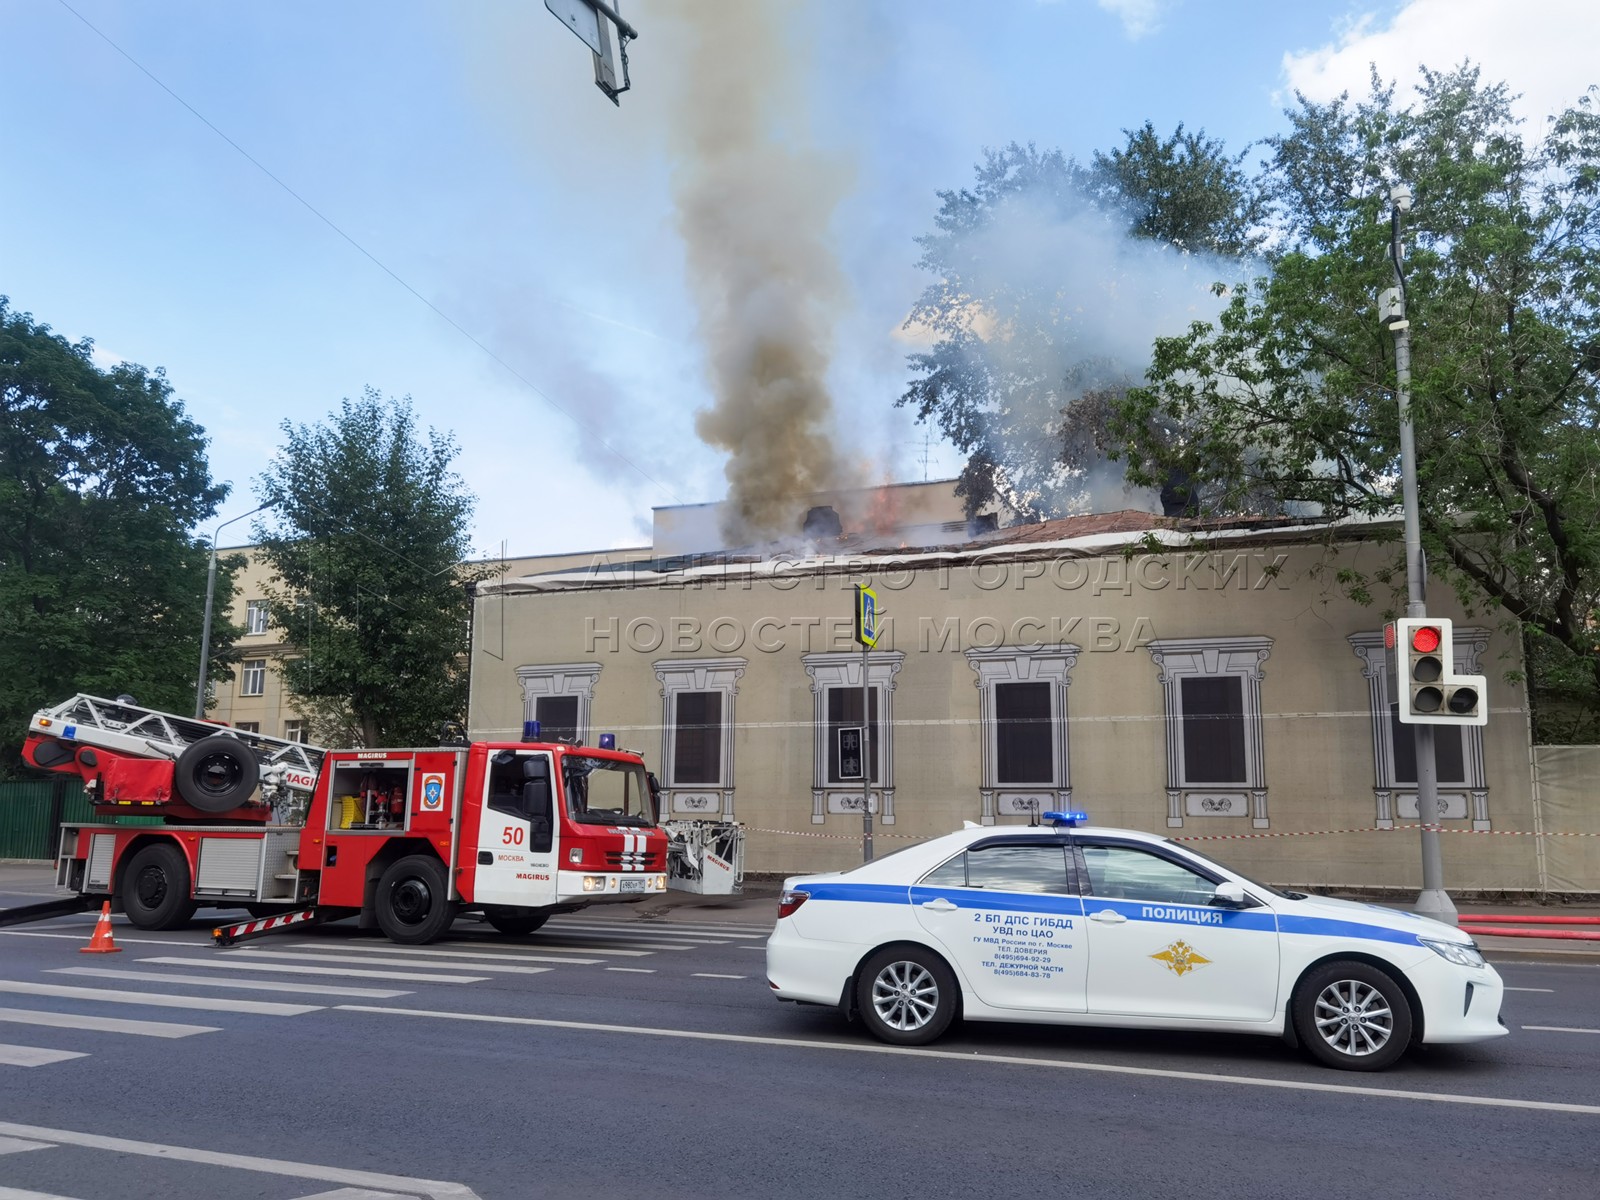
754,203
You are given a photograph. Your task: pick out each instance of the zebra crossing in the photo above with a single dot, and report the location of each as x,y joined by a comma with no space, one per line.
73,1008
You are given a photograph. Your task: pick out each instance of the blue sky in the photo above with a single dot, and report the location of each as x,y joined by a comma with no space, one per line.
466,150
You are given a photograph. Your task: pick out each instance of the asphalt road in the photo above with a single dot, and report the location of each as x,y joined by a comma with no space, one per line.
609,1056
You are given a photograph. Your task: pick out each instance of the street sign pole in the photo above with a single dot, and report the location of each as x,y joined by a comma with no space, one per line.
867,635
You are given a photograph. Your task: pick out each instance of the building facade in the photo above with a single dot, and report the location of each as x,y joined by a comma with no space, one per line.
1205,682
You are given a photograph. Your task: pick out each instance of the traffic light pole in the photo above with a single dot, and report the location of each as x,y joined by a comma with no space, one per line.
1432,902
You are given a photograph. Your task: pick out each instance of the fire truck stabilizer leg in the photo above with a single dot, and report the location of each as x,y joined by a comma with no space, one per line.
43,912
228,935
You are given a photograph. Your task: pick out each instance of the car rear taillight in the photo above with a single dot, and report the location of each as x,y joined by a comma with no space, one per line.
790,902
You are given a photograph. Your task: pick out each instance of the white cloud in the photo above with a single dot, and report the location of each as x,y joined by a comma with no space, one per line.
1138,17
1543,49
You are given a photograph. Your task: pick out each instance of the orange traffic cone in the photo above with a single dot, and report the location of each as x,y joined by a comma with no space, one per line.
101,942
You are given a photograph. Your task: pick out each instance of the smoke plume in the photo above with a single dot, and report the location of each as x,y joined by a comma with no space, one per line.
754,201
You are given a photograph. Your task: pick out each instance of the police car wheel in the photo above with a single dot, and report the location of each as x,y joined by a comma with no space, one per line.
413,905
906,996
1353,1016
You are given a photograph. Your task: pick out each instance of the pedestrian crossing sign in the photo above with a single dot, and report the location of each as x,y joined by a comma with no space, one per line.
866,616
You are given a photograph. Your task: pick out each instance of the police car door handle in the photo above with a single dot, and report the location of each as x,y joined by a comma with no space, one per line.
940,904
1108,916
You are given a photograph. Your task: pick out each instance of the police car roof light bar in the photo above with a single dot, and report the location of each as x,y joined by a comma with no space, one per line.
1066,820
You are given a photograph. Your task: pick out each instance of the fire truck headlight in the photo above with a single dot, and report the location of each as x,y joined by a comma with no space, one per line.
594,883
575,854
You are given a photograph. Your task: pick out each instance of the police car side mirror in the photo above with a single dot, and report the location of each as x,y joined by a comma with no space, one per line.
1231,895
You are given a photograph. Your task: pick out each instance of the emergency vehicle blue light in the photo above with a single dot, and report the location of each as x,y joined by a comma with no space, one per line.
1066,819
608,741
530,731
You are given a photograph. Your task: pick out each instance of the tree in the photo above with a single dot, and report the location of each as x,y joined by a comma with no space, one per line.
102,586
1035,284
367,542
1290,392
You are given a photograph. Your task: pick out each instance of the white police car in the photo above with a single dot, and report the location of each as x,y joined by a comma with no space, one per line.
1087,926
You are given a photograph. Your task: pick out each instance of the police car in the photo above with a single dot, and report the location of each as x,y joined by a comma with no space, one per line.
1087,926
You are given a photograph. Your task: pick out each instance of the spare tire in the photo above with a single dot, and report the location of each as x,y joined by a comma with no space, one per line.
217,774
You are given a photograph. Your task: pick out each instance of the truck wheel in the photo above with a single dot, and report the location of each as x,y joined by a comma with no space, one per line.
413,904
515,922
155,888
1352,1016
217,774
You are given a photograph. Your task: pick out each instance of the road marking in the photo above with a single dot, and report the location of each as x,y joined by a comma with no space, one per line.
356,1194
11,1193
636,944
1559,1029
292,969
33,1056
161,1029
235,955
269,1008
11,1145
255,985
986,1059
436,1188
78,937
634,970
1512,989
430,952
709,975
757,949
680,932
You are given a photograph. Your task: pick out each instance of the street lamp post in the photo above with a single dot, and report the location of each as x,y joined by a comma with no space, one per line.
211,591
1433,902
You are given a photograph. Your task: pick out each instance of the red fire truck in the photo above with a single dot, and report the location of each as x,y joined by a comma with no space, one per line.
405,840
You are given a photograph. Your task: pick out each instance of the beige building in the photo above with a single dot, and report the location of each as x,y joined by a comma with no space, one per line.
254,698
1205,681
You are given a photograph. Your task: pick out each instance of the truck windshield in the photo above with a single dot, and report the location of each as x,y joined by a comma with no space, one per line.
604,791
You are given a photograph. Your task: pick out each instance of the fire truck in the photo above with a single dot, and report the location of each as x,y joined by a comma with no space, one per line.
404,840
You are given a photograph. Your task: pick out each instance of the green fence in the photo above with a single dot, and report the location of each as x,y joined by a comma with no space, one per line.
32,810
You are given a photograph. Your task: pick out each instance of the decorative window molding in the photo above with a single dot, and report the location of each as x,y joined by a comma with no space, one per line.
1048,667
842,669
1181,662
719,676
551,680
1458,798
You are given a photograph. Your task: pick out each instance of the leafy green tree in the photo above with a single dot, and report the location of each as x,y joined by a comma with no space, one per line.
102,586
367,541
1017,339
1290,393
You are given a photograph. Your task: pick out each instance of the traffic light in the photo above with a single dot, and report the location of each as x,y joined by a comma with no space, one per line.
1422,682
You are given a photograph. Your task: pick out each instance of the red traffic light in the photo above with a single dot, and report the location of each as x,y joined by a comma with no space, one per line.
1425,638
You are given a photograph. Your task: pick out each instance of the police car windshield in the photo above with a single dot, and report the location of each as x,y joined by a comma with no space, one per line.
603,791
1271,891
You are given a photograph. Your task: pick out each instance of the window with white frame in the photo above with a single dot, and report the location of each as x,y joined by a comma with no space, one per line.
837,703
294,731
247,726
1216,762
559,697
697,712
253,677
255,616
1457,750
1023,712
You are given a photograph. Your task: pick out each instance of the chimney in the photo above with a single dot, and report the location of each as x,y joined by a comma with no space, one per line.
822,522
